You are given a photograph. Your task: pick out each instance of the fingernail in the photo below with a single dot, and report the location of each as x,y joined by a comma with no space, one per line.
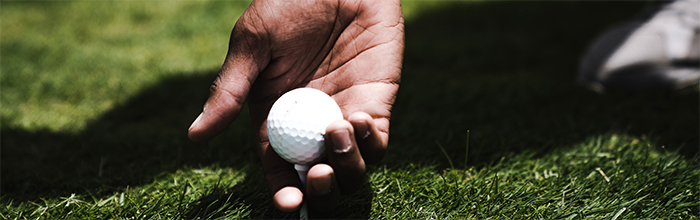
341,141
322,186
366,128
196,121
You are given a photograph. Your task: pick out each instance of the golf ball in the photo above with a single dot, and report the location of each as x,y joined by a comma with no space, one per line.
297,122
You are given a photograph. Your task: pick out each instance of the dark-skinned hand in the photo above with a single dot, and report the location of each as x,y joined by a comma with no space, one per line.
350,49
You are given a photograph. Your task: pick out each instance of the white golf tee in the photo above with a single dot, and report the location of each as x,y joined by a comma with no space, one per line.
302,170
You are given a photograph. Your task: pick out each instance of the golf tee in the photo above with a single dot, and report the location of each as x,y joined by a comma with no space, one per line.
302,170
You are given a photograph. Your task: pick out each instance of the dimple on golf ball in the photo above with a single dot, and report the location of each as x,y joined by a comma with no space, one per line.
297,122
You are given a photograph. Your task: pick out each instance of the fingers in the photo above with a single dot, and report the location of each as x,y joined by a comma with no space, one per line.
248,54
282,180
223,106
344,156
349,145
288,199
322,191
369,139
344,173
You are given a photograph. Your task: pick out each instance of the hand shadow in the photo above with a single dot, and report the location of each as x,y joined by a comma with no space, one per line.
136,142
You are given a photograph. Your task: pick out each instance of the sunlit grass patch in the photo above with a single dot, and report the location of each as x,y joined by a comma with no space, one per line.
65,63
608,176
171,195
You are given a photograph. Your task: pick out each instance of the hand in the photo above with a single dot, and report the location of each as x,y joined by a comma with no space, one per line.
350,49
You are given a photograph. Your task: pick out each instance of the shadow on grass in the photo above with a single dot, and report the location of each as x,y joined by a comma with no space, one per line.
506,72
136,142
502,70
255,202
128,145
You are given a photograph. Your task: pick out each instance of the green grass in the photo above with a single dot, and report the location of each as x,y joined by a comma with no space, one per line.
97,96
65,63
598,178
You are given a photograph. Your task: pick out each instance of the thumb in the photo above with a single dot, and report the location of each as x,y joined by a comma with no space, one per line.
248,54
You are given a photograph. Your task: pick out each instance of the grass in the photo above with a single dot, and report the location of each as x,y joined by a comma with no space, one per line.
68,62
489,123
598,179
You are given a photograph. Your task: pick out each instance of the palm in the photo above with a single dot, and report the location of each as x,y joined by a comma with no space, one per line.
349,55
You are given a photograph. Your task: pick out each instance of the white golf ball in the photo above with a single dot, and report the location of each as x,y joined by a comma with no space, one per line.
297,122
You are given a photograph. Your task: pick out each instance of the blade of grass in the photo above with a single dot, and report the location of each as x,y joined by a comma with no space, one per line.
466,152
446,155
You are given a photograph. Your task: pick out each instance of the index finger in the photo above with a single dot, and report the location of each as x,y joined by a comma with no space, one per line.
248,54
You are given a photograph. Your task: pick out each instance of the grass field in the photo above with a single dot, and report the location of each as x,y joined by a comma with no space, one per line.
489,123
